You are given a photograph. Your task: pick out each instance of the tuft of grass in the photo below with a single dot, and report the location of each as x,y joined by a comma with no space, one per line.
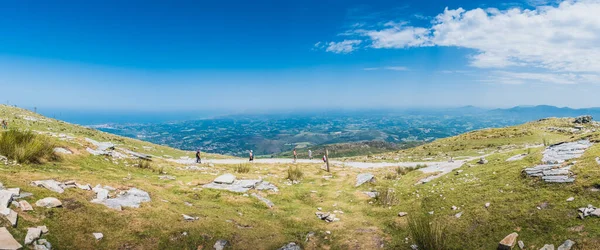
242,168
406,170
427,234
26,147
294,173
386,197
390,176
143,164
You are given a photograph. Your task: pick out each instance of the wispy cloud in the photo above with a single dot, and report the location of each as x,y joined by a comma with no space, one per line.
343,47
562,38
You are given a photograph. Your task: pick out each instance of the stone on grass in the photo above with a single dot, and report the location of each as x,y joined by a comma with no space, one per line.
63,151
547,247
487,205
51,185
5,198
402,214
189,218
372,194
508,242
571,199
225,179
14,191
291,246
44,229
42,244
10,215
521,245
48,202
7,241
33,233
567,245
25,206
458,215
267,202
364,178
131,198
220,244
98,236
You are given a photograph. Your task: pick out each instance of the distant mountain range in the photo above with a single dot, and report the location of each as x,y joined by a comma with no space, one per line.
544,111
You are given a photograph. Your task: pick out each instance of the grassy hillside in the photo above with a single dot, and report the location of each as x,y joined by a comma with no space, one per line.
350,149
365,223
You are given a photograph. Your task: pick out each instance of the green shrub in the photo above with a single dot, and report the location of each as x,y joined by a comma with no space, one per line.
427,234
26,147
242,168
294,173
390,176
386,197
406,170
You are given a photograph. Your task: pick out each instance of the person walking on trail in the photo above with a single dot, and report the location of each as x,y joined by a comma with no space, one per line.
295,156
198,159
251,155
309,154
4,124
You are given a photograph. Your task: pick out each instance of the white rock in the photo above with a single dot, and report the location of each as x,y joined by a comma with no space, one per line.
48,202
220,244
402,214
567,245
5,198
225,179
571,199
51,185
487,205
7,241
98,236
10,215
33,233
25,206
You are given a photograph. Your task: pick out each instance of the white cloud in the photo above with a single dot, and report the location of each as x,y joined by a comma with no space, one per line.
344,47
563,38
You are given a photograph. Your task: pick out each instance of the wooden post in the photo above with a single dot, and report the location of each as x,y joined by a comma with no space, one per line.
327,159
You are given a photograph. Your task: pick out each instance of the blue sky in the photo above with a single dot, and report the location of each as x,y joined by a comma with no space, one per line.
263,55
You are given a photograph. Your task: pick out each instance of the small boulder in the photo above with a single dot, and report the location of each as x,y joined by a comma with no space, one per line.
458,215
48,202
291,246
364,178
487,205
220,244
10,215
225,179
547,247
25,206
521,245
571,199
402,214
508,242
189,218
98,236
482,160
567,245
33,233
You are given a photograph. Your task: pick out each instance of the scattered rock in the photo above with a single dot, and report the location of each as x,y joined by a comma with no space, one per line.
22,195
487,205
240,186
583,119
33,233
98,236
220,244
364,178
508,242
482,160
63,151
571,199
559,153
190,218
521,245
166,177
372,194
454,207
291,246
44,229
269,203
402,214
131,198
329,217
5,198
7,242
10,215
225,179
42,244
458,215
51,185
547,247
48,202
567,245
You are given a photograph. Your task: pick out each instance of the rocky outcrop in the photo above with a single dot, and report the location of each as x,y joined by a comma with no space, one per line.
583,119
48,202
7,241
267,202
131,198
230,183
364,178
553,170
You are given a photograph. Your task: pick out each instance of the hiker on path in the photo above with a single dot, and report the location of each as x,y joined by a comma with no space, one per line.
198,159
4,124
309,154
295,156
251,155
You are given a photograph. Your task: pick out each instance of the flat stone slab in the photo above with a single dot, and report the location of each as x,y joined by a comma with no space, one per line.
364,178
7,241
10,215
290,246
562,152
556,172
567,245
558,179
242,186
269,203
51,185
508,242
225,179
5,198
33,233
63,151
131,198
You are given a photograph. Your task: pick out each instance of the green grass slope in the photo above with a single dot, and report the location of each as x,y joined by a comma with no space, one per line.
365,223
